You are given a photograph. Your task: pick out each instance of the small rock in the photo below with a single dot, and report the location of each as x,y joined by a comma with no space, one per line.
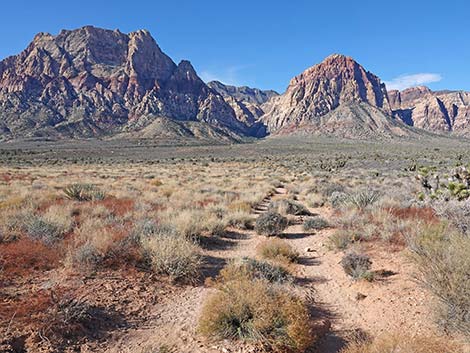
360,296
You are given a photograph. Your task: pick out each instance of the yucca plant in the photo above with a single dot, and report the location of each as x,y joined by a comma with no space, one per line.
83,192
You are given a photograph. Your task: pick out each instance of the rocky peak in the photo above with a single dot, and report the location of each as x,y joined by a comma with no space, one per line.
321,89
100,81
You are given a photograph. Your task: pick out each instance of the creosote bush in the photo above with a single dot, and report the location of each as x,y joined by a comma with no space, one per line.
278,250
357,265
270,224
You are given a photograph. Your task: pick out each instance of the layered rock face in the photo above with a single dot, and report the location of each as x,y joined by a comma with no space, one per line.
336,97
95,82
442,111
246,102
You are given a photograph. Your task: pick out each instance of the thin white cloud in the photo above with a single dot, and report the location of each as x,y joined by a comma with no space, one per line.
229,76
405,81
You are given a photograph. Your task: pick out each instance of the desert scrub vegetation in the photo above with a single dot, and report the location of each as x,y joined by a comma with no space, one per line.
277,250
315,223
357,266
399,342
254,269
250,309
271,224
288,207
84,192
173,255
441,255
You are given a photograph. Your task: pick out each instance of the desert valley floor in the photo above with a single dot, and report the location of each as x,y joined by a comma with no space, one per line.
301,244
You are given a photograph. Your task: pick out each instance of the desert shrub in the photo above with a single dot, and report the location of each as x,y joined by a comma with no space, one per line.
388,343
337,199
363,199
239,206
315,200
330,189
254,269
240,220
442,260
86,256
70,311
456,212
288,207
83,192
189,223
271,223
279,250
340,239
175,256
315,223
254,310
215,226
356,265
39,228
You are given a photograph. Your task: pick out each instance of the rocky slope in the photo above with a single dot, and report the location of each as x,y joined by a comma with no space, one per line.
93,82
247,104
338,97
441,111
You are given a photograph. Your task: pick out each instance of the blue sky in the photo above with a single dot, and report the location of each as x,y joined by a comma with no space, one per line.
265,43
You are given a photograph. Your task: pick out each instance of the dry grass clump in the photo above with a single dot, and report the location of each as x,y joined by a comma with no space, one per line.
441,256
288,207
254,269
278,250
397,343
256,311
315,223
173,255
240,220
357,266
270,224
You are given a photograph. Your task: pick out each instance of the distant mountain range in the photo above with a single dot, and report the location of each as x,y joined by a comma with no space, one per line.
93,82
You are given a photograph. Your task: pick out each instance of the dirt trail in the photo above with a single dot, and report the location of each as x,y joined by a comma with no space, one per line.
392,304
174,319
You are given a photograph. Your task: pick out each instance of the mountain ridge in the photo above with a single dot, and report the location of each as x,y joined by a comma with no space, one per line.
92,82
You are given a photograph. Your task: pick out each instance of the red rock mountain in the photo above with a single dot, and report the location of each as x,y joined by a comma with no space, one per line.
95,82
337,96
444,111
